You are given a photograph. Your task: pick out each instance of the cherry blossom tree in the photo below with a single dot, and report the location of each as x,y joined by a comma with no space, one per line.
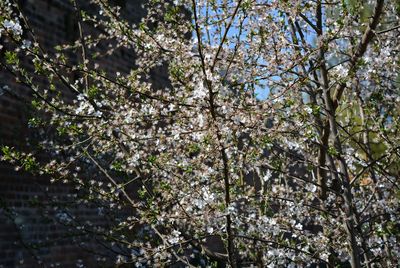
275,141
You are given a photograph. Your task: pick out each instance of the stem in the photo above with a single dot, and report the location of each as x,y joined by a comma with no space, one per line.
83,46
333,133
212,109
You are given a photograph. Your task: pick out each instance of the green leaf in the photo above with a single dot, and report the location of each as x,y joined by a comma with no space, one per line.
11,58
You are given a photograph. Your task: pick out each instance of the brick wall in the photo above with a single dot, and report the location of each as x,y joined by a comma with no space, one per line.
32,233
